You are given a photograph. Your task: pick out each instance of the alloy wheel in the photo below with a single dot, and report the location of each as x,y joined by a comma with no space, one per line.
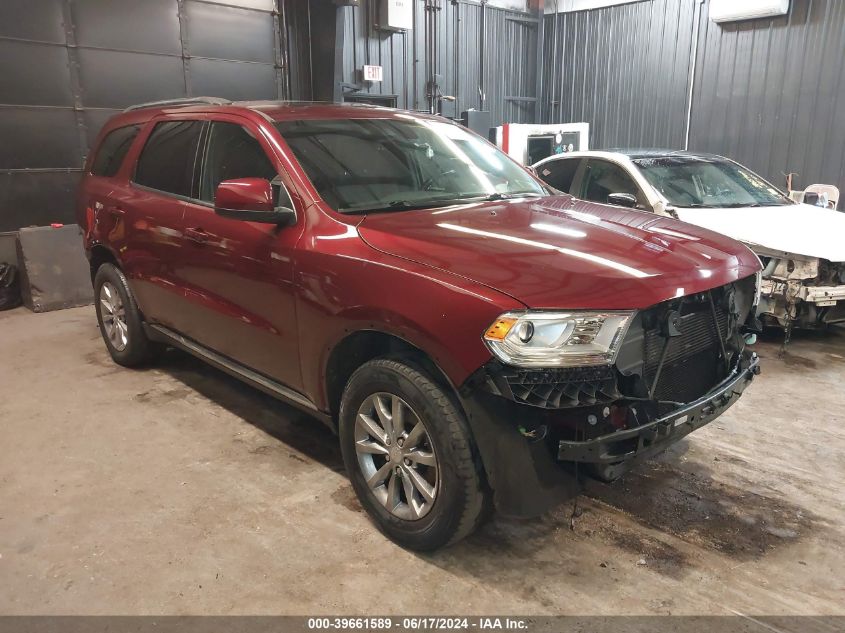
113,314
396,456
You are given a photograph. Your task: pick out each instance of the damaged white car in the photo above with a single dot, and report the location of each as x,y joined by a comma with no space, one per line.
802,247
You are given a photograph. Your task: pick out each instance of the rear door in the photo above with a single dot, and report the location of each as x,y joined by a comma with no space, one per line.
238,275
152,205
97,203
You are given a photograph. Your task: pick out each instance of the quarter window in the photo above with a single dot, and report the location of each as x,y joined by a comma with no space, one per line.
167,160
113,150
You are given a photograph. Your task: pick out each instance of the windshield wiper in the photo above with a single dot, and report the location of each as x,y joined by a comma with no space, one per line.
507,196
410,205
402,205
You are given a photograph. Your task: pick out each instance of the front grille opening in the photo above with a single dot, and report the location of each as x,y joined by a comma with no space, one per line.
692,364
684,333
689,378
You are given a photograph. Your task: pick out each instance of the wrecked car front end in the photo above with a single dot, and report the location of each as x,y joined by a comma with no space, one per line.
800,291
680,364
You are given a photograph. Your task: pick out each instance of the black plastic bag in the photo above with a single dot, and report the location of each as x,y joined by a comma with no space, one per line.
10,287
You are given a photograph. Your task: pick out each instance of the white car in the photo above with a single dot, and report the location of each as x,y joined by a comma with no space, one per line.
802,247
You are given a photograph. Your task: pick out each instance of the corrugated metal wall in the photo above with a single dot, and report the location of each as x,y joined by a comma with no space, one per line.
68,65
623,69
768,92
486,56
771,93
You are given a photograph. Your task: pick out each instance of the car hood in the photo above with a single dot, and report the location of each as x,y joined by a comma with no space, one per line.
800,229
559,252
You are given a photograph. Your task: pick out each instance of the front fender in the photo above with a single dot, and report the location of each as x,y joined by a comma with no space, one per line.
354,288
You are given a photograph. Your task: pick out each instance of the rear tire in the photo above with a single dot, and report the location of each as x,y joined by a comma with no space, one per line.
422,482
120,320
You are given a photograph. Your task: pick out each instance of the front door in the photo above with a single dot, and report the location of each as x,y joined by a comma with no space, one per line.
238,275
600,178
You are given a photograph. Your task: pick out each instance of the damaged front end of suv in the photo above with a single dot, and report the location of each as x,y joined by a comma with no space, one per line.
801,291
667,371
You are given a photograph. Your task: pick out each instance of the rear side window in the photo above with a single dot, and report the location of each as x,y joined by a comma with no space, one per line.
559,173
167,160
113,150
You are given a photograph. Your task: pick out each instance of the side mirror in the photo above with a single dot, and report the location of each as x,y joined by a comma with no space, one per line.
813,198
622,199
661,208
250,199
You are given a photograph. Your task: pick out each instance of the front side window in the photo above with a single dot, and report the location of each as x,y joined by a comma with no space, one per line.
559,173
602,178
687,181
363,165
113,150
233,152
167,160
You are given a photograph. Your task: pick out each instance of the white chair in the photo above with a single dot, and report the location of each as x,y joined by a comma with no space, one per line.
831,191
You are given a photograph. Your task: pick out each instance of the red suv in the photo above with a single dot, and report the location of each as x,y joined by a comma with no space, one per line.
467,333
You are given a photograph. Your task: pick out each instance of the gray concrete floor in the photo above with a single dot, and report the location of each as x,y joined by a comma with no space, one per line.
178,490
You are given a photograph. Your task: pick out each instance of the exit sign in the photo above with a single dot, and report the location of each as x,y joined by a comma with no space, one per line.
373,73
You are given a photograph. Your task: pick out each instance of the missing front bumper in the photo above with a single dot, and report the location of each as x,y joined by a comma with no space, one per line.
794,289
659,434
822,295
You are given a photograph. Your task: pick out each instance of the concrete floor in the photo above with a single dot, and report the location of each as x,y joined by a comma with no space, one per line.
178,490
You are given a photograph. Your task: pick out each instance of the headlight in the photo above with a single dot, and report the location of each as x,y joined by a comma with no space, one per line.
557,339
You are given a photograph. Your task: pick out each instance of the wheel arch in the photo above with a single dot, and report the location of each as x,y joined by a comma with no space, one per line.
98,256
362,346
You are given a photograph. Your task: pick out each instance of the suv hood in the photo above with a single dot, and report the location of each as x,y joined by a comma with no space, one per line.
800,229
559,252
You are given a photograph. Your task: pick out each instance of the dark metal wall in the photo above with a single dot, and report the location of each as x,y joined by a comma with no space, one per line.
68,65
768,93
771,93
623,69
485,56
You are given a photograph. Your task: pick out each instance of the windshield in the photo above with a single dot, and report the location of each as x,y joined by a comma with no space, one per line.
363,165
701,182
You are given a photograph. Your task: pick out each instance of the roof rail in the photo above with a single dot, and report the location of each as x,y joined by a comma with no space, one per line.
185,101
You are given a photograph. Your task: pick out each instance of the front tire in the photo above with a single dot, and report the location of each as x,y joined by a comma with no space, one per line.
410,456
120,320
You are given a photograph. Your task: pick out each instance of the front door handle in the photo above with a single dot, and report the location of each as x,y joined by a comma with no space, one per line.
116,212
196,235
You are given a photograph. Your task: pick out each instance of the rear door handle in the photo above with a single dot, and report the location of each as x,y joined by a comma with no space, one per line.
116,212
196,235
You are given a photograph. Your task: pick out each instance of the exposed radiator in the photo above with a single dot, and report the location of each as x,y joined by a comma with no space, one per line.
692,366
